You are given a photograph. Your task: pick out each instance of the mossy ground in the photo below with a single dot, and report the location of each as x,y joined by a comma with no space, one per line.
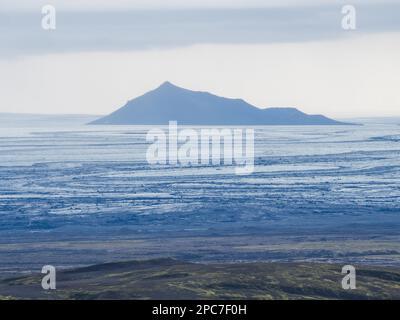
171,279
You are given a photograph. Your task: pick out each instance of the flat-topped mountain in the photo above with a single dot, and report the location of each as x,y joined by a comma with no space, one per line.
171,103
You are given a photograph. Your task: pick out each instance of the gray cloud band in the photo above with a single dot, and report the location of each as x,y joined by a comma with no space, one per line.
21,33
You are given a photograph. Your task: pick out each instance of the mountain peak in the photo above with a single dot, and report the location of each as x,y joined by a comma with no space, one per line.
167,85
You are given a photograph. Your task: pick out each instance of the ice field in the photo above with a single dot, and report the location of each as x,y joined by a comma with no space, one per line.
73,194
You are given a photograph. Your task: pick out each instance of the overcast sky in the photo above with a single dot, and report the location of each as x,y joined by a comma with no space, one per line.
270,53
79,5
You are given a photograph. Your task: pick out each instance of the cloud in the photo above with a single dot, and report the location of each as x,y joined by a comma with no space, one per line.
99,5
21,33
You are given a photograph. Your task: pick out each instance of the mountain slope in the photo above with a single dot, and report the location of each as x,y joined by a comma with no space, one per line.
171,103
172,279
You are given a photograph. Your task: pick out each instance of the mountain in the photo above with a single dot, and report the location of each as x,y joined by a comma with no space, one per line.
171,103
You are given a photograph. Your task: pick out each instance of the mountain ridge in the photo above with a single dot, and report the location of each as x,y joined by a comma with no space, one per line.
172,103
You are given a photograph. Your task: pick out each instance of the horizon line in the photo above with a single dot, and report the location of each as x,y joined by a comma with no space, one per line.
102,115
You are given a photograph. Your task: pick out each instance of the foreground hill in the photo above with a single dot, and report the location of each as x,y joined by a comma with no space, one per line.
171,279
171,103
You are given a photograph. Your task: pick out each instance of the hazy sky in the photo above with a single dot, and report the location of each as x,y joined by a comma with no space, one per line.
157,4
270,53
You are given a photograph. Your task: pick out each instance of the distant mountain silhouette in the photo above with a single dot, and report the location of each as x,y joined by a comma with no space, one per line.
171,103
